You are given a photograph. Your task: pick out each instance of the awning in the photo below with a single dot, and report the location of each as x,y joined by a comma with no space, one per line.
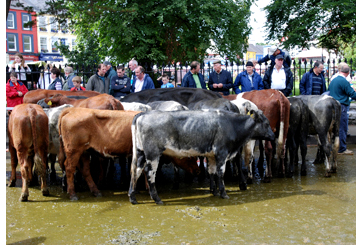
51,57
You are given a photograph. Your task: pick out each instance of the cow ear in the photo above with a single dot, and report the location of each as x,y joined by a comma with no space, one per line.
49,103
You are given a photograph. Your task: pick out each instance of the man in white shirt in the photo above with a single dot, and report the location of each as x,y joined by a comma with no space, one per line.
142,81
279,77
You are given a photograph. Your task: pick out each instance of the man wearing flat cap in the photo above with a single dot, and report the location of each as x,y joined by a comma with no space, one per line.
248,80
279,77
273,52
220,80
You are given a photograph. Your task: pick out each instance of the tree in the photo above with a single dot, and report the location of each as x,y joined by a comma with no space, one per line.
302,21
157,30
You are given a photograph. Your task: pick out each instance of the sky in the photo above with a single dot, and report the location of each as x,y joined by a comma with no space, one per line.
257,21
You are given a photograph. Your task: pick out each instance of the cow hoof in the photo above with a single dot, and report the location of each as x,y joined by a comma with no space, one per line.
243,186
327,174
333,170
23,198
267,180
74,198
225,196
97,194
12,183
133,201
45,192
159,202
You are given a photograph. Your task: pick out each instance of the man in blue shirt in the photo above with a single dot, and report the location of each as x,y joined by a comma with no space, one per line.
341,90
194,79
220,80
249,80
313,82
273,52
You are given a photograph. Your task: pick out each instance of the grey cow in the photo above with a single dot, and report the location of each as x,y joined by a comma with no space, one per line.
217,135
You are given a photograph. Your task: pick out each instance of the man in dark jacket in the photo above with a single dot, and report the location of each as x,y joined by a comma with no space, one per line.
120,84
278,77
249,80
313,82
142,81
273,52
194,79
220,80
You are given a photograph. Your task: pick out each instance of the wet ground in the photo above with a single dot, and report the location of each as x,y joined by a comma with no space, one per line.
303,209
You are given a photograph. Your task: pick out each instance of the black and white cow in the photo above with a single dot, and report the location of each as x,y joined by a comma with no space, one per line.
168,105
297,135
216,104
324,121
185,96
221,134
136,106
53,143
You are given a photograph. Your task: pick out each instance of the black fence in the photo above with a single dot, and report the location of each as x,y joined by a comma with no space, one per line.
176,71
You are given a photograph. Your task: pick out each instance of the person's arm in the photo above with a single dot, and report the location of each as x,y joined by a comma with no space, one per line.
237,83
184,82
128,86
289,82
228,83
267,80
90,85
260,84
211,82
115,86
302,84
264,59
151,85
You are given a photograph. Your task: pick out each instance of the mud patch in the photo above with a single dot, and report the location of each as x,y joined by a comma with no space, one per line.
134,237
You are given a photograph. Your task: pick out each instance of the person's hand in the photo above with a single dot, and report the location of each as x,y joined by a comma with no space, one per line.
215,85
220,85
254,62
20,93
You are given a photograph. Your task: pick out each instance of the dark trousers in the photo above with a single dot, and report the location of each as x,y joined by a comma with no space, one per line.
343,128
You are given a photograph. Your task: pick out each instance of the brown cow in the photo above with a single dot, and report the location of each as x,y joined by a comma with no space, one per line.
276,107
105,131
28,144
35,95
101,101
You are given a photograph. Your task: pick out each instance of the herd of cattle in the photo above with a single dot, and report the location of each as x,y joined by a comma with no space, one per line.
85,128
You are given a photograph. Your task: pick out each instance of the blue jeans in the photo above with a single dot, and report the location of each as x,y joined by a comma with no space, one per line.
343,128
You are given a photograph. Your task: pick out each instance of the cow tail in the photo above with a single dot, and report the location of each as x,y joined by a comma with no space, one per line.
39,167
61,154
134,143
282,126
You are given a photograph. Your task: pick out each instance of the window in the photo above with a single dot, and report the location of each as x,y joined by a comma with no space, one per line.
54,43
43,43
11,42
26,18
64,27
42,23
73,43
64,41
54,25
27,43
11,21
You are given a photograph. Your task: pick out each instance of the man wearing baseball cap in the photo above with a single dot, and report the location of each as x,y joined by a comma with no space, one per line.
220,80
273,52
279,77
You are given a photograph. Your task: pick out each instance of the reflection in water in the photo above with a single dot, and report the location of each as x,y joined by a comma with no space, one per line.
303,209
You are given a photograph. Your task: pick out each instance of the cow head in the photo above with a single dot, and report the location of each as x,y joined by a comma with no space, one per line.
42,103
262,130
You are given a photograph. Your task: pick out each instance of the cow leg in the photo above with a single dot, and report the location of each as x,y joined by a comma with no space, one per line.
85,158
150,170
248,153
240,174
137,165
303,152
41,164
176,178
202,175
14,163
261,159
220,169
52,175
269,155
71,163
336,145
212,176
26,163
123,178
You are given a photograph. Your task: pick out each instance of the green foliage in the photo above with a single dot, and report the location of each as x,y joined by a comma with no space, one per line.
302,21
156,30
